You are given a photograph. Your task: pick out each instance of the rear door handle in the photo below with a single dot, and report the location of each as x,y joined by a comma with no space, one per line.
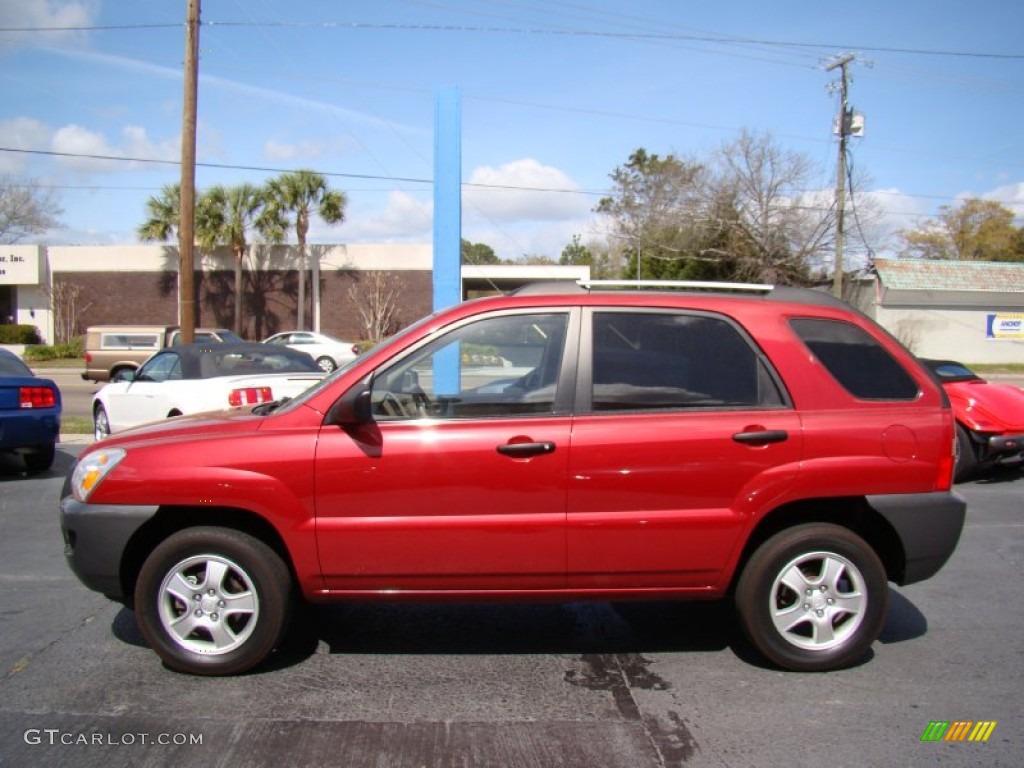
761,436
522,450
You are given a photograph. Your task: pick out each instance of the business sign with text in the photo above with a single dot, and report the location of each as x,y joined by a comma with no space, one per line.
19,265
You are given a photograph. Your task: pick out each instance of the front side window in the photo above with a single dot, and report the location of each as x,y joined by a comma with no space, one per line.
858,362
654,360
163,367
498,366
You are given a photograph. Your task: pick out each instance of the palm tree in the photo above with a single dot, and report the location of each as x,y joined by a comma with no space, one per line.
303,193
223,216
163,219
164,215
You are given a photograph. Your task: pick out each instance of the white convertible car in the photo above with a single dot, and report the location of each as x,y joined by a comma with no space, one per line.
195,378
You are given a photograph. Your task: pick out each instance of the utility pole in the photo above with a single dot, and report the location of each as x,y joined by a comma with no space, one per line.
187,201
844,129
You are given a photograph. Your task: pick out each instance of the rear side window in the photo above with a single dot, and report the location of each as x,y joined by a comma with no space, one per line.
655,360
130,341
857,361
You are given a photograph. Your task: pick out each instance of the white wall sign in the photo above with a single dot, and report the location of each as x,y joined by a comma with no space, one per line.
19,265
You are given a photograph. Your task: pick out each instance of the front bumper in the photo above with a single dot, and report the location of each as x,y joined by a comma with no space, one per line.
95,538
928,525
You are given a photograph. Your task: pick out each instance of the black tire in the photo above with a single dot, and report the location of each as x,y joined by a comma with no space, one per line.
198,632
813,598
100,423
326,363
40,458
966,455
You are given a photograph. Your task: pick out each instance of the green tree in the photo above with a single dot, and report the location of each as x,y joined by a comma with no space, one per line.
478,253
303,194
651,201
576,254
163,216
977,230
224,215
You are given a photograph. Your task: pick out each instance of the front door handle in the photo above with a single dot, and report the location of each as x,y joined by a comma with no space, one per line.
761,436
523,450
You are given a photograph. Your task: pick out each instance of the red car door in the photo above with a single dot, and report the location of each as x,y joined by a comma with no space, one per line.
683,435
459,481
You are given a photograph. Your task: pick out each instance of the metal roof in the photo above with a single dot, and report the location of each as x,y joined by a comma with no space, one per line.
943,275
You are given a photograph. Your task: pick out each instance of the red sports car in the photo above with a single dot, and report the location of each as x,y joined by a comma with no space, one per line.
989,417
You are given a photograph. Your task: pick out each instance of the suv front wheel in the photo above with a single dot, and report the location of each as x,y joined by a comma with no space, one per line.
212,601
813,597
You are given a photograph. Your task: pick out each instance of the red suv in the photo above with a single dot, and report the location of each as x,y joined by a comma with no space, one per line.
565,442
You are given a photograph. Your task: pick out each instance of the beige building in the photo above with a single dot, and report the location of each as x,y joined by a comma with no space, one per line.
971,311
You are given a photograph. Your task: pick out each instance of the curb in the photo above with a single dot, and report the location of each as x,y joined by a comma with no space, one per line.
82,439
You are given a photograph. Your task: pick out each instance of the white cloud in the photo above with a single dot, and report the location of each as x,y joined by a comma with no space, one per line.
276,151
1010,195
45,13
403,218
89,147
21,133
522,190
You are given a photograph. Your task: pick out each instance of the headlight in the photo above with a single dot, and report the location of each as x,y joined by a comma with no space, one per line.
91,470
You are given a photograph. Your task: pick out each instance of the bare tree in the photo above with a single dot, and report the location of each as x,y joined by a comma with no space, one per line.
375,297
64,306
25,209
779,228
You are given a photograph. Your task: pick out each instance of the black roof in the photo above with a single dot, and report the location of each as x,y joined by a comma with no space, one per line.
207,360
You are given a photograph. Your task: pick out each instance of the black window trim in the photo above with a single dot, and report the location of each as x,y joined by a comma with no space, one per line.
564,390
585,370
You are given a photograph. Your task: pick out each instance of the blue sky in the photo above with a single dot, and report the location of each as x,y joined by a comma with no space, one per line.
555,95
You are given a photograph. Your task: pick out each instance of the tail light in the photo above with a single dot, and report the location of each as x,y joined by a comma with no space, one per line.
36,397
249,396
947,458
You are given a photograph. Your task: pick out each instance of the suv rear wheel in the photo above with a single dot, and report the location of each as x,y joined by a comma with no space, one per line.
813,598
213,601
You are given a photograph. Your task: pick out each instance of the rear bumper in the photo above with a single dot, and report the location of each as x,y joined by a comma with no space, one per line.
928,525
29,428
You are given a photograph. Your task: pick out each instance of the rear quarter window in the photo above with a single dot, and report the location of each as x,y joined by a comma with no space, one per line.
130,341
861,365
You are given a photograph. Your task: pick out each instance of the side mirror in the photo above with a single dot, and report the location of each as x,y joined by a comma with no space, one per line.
125,374
353,408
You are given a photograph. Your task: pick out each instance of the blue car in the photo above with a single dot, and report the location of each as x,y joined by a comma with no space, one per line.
29,413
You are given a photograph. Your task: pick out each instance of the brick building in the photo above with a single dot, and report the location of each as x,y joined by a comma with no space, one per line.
137,284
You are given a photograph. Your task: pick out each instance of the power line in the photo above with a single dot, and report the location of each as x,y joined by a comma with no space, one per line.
371,177
533,31
93,28
269,169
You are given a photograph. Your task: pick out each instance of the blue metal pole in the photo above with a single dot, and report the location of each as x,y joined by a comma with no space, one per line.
447,226
447,198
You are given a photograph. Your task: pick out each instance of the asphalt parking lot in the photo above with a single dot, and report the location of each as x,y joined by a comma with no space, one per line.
589,685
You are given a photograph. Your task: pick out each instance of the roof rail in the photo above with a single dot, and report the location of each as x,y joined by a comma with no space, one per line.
703,285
